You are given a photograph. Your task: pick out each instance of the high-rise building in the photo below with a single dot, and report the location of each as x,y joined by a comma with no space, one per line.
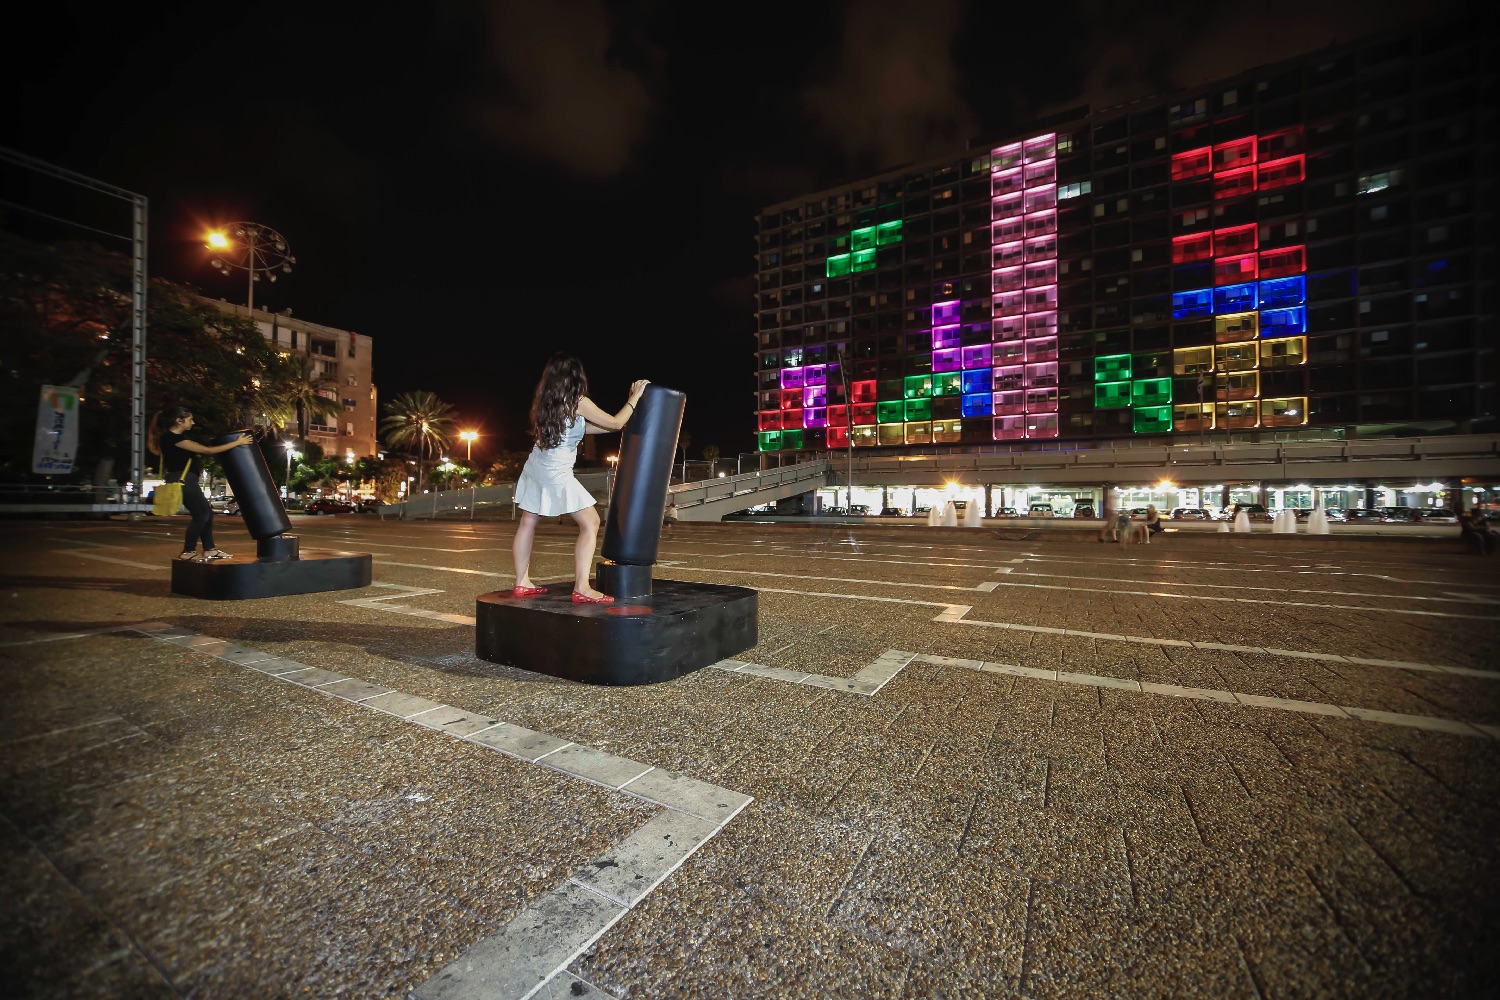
1306,248
345,360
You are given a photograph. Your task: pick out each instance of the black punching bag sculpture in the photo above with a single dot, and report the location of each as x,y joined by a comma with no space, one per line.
280,568
655,630
632,531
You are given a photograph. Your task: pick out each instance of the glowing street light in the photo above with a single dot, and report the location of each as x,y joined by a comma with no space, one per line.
291,453
467,437
253,248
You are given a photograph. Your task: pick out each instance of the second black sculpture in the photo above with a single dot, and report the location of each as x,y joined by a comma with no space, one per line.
656,629
280,568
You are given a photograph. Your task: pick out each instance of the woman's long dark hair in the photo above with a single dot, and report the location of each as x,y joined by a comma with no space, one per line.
164,419
562,385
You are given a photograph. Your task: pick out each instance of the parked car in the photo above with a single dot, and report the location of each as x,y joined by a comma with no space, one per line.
922,510
1190,514
1255,511
1400,515
1008,512
1438,515
327,505
1084,508
859,509
1334,513
1040,510
1360,515
370,505
231,507
892,512
219,503
834,511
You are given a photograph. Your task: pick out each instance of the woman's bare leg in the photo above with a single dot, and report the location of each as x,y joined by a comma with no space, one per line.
583,549
521,547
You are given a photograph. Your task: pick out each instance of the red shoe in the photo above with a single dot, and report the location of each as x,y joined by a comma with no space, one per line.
585,599
527,591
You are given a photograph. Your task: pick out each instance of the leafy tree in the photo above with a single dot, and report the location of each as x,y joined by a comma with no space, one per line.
711,456
421,420
299,389
66,311
505,468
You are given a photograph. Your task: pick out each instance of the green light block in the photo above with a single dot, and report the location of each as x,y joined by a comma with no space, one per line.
838,265
862,239
1111,395
770,440
890,411
1153,420
948,384
864,260
919,409
1111,368
791,440
918,386
887,233
1151,392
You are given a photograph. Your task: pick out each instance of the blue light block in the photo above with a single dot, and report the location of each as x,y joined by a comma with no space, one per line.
1283,322
977,405
979,381
1279,293
1235,298
1199,302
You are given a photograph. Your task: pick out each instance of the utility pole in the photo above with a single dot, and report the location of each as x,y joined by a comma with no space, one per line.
848,431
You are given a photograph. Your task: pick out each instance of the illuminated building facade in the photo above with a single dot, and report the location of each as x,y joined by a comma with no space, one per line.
1307,248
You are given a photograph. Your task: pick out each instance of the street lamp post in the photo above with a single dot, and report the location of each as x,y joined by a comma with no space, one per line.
290,454
467,437
848,432
252,248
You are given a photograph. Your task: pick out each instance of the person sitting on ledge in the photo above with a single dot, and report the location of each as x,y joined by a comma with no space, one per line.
561,414
1475,532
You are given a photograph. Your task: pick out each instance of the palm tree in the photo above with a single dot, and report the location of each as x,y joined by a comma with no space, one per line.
711,456
302,394
418,418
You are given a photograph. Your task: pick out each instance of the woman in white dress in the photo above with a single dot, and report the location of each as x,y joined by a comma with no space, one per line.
561,414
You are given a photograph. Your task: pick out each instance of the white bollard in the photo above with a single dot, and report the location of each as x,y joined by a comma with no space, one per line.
1242,522
972,516
1317,522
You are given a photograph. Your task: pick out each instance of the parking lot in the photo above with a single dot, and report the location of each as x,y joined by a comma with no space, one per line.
959,762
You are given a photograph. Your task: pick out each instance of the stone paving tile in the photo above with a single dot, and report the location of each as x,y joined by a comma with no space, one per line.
1077,946
56,942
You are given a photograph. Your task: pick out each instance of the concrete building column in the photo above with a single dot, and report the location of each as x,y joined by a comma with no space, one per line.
1224,497
1455,490
989,500
1260,493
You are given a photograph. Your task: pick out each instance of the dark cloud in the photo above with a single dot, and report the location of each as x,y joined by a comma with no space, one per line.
893,96
558,89
1132,51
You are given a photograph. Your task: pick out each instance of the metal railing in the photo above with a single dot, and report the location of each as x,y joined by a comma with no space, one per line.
487,501
725,487
20,498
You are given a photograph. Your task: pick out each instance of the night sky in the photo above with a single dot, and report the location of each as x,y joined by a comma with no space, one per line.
476,185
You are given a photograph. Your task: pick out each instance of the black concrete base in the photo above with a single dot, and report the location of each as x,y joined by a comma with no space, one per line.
678,629
242,579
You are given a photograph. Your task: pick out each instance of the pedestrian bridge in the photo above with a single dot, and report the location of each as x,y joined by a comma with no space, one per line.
1444,459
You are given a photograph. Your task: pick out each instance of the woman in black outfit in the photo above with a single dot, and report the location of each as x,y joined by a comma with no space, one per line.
178,463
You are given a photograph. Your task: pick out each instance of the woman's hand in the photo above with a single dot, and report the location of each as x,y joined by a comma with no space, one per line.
636,388
243,439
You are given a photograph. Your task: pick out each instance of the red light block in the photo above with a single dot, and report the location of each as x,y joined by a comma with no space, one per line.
791,399
1236,240
1192,247
1280,263
838,437
1233,183
770,420
838,416
1281,173
1193,163
1275,145
863,413
1238,153
864,392
1233,270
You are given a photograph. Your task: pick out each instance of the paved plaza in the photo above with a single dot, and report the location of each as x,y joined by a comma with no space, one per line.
959,763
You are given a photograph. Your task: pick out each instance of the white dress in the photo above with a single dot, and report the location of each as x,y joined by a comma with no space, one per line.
547,485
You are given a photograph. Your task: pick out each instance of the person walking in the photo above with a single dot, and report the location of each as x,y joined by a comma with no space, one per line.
561,414
167,437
